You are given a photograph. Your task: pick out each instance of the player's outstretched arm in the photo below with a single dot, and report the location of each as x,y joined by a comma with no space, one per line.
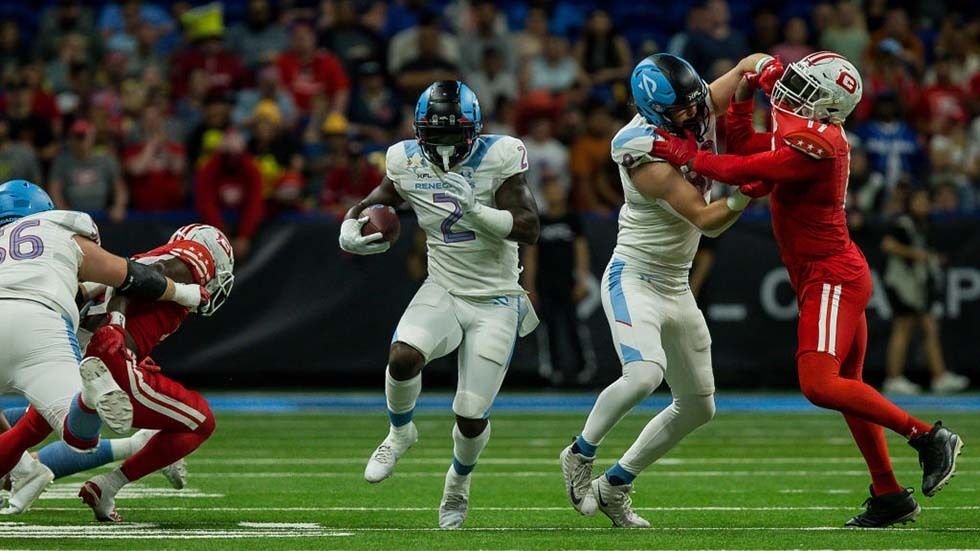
665,182
351,239
515,197
132,278
740,136
723,87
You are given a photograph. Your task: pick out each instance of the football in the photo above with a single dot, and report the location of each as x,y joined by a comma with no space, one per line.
382,219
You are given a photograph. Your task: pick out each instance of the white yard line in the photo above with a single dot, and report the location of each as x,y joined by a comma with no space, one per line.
857,460
299,475
494,509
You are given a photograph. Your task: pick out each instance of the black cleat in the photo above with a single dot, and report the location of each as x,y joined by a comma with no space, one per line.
885,510
938,449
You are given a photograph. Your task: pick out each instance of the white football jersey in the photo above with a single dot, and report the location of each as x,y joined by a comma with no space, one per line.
462,258
39,260
651,234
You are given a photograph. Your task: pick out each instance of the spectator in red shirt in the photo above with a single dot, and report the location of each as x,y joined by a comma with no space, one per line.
943,102
312,74
155,167
351,178
231,180
207,51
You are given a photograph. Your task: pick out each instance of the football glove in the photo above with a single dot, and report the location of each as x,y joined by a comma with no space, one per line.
353,242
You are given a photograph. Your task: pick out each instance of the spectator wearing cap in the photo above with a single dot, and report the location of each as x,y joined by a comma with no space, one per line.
716,40
155,167
347,36
488,30
313,75
492,81
276,153
26,125
86,180
375,109
204,30
230,181
350,178
407,45
216,119
268,89
17,161
259,39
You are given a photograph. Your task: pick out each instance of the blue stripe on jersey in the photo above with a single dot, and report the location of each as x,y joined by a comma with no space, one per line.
620,312
483,145
630,133
411,148
630,354
73,339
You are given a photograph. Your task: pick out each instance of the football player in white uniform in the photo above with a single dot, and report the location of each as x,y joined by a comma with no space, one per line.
470,196
656,326
44,253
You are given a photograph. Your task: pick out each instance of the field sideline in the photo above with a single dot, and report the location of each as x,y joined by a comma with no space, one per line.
748,480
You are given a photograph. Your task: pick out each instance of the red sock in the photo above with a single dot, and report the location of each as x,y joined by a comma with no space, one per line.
822,384
163,449
31,430
870,440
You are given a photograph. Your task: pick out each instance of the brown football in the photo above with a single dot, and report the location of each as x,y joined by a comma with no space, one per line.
382,219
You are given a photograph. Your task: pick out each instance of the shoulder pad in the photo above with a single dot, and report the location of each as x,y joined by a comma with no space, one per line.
77,223
631,145
811,142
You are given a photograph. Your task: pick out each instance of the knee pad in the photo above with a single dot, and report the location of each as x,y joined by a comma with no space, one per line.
404,362
469,405
643,376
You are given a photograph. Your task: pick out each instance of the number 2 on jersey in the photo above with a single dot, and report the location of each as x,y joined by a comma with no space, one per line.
448,235
18,241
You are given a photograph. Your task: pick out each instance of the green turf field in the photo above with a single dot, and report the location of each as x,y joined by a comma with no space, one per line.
745,481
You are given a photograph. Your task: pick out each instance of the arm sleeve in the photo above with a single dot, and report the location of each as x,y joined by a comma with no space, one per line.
781,165
253,211
742,139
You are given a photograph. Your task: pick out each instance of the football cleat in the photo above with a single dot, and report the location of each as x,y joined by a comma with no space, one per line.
938,449
26,487
455,501
886,509
577,471
102,502
615,502
383,460
110,401
176,474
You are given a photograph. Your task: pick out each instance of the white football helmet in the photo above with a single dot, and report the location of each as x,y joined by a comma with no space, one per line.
822,86
219,287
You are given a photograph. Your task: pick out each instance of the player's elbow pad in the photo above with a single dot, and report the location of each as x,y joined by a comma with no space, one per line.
143,281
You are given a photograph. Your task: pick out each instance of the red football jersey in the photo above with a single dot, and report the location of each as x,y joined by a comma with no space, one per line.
150,322
808,168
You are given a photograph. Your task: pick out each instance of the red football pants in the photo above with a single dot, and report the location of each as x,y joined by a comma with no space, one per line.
182,416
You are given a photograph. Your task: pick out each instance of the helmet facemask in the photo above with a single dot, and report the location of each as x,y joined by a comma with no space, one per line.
218,287
804,96
445,140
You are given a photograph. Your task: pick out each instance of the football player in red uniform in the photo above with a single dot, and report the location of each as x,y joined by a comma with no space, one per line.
804,164
120,344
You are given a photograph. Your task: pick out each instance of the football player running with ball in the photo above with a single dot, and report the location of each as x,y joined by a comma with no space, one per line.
657,329
804,164
470,196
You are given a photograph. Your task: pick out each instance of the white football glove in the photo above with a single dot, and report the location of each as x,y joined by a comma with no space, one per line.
461,190
353,242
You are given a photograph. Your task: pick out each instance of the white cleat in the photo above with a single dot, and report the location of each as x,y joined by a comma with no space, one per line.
950,383
577,470
25,488
95,494
111,401
176,474
616,503
455,501
900,386
383,460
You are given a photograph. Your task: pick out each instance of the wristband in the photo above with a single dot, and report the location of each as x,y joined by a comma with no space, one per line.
762,63
495,221
737,201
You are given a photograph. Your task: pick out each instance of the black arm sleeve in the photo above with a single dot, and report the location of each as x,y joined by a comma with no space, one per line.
143,281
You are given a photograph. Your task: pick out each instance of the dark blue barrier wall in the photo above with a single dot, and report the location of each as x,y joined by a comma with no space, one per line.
303,314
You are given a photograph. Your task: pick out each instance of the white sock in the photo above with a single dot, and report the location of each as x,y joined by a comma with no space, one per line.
664,431
638,381
466,451
113,481
401,397
23,466
124,448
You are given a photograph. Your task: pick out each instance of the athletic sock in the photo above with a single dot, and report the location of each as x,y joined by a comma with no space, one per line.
617,475
64,461
401,397
82,425
30,431
23,465
583,447
870,439
161,450
466,451
124,448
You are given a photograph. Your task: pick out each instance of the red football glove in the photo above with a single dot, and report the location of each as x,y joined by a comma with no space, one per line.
149,365
766,78
756,189
676,151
